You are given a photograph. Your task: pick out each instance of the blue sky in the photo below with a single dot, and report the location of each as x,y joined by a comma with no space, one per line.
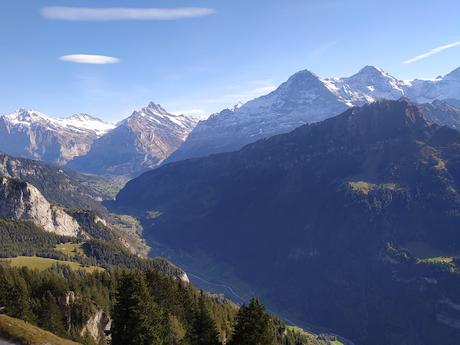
209,57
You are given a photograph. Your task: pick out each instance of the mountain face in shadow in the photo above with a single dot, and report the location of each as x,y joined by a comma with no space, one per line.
351,223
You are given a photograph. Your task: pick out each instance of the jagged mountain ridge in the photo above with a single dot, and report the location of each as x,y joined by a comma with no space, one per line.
31,134
338,205
307,98
138,143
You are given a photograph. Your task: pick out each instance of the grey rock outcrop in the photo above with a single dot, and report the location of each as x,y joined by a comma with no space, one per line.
22,201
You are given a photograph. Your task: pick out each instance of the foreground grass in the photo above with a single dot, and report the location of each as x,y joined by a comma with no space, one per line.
34,262
27,334
71,249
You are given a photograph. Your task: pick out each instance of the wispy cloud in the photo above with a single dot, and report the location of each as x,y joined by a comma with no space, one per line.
433,51
322,50
118,13
90,59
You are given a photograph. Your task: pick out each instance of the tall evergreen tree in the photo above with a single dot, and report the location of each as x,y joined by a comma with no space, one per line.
137,319
203,330
50,317
14,295
253,326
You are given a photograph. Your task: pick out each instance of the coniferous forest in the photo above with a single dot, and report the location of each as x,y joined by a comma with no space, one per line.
145,308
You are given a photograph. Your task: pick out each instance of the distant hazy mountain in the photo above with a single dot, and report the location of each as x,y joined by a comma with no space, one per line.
306,98
442,113
31,134
138,143
351,223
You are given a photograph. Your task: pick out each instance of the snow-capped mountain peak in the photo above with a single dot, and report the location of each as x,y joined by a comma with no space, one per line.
32,134
79,122
156,108
300,79
305,98
83,121
25,117
155,114
370,70
140,142
369,84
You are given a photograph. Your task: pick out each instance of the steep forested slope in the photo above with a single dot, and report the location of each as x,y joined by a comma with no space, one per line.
351,223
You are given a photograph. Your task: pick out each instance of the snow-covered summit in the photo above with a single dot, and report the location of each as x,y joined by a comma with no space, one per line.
368,85
306,98
26,117
79,122
154,114
87,122
32,134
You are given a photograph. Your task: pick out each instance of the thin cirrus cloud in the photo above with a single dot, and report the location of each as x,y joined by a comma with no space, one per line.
432,52
119,13
90,59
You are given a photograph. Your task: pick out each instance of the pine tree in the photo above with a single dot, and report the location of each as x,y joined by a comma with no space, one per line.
17,295
253,326
137,319
51,317
203,330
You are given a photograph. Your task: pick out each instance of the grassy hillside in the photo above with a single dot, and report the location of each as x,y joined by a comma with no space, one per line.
28,334
34,262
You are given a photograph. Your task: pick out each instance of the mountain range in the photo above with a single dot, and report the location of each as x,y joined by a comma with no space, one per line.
350,223
152,136
307,98
31,134
90,145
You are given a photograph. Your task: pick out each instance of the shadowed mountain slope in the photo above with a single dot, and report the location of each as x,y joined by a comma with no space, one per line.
339,223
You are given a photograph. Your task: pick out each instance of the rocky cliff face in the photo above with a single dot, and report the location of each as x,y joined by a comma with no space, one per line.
96,325
66,188
21,200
